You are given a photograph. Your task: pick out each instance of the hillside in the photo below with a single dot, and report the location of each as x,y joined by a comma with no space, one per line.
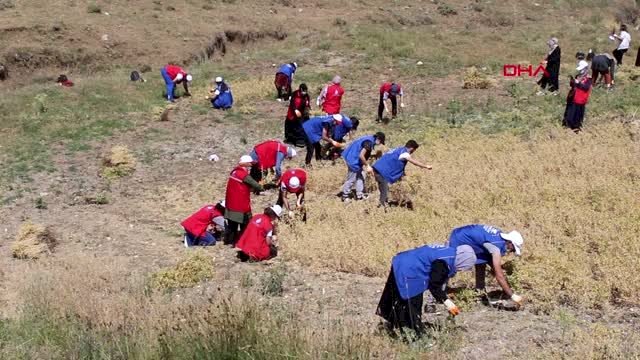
499,156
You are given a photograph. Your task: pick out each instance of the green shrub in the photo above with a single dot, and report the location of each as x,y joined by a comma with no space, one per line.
187,273
272,282
94,8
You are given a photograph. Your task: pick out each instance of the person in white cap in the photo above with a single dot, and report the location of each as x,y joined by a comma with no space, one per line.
415,271
578,96
258,241
284,79
269,155
205,226
221,96
238,199
490,244
317,129
172,75
330,98
293,181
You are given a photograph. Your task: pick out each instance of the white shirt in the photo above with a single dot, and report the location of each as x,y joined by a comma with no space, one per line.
625,40
404,156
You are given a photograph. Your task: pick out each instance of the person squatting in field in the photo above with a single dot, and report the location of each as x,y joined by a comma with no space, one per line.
258,241
551,63
293,181
298,112
415,271
284,79
205,226
490,244
317,129
221,96
578,96
172,75
389,92
269,155
390,167
330,98
602,64
356,157
238,199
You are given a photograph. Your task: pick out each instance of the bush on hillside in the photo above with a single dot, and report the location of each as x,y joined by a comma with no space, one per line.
474,79
119,163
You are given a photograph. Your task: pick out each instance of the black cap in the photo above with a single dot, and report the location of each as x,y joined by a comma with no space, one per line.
380,136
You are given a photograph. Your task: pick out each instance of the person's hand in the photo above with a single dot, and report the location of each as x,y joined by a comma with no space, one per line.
298,113
369,169
517,299
452,308
401,104
335,143
291,213
428,167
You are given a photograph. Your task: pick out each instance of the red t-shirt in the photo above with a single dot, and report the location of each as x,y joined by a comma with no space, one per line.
174,70
386,88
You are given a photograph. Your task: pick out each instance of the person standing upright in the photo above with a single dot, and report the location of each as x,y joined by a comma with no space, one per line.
581,87
330,98
238,199
625,41
390,91
551,64
298,112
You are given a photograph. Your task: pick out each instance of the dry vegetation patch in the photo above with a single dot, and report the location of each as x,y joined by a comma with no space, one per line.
474,79
33,241
120,162
187,273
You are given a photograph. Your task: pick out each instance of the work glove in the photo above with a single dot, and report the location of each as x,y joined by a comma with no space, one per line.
298,113
452,308
291,213
517,299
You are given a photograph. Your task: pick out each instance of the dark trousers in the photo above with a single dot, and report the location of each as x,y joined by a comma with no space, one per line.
551,81
256,173
311,148
233,231
383,186
574,116
607,76
293,132
394,106
283,86
398,312
273,252
619,54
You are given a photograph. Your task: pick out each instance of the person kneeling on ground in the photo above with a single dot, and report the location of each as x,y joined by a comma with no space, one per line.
415,271
293,181
390,167
205,226
221,96
490,244
258,242
356,156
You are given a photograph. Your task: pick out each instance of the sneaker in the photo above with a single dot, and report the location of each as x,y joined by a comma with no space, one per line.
346,200
555,93
541,93
363,197
279,100
186,241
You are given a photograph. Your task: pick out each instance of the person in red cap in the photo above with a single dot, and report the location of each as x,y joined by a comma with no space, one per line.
204,227
293,181
268,155
238,199
331,97
258,241
390,91
172,75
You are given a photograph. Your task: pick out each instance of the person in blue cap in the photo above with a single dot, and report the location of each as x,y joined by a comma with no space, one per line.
415,271
356,156
390,167
284,79
221,96
317,129
490,244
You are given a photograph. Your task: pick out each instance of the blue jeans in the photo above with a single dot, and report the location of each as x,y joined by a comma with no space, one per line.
205,240
171,87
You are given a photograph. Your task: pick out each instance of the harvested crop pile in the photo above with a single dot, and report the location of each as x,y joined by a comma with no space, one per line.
33,241
627,74
119,163
187,273
474,79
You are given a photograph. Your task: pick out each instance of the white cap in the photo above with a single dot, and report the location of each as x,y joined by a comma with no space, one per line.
179,77
291,152
294,182
189,78
222,203
295,65
337,117
277,209
219,79
336,79
516,239
246,159
582,65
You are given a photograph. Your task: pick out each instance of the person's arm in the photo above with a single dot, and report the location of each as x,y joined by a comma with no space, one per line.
285,198
366,149
253,184
322,96
437,282
583,86
186,87
325,137
401,96
300,198
496,264
279,160
419,164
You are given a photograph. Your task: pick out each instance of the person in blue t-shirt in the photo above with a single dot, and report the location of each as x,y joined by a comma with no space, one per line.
390,167
356,156
415,271
339,132
490,244
317,129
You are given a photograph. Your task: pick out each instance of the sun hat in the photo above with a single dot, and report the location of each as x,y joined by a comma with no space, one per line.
516,239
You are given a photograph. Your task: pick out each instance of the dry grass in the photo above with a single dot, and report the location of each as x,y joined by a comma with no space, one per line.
247,91
575,198
33,241
474,79
187,273
120,162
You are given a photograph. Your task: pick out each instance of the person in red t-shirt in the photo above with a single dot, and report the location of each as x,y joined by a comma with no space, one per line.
238,199
172,75
293,181
205,226
298,112
389,91
331,97
258,241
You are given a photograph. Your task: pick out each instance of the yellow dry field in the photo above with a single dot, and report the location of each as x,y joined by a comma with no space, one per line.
576,199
